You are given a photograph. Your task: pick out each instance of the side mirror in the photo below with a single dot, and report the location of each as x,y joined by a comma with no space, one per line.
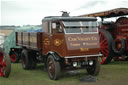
54,25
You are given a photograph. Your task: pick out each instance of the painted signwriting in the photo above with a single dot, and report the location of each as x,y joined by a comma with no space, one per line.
75,44
46,41
81,42
58,42
84,49
82,38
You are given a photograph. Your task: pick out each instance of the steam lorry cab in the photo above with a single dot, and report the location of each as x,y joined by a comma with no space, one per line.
66,43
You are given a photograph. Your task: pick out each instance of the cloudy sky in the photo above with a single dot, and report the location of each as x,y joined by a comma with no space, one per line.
23,12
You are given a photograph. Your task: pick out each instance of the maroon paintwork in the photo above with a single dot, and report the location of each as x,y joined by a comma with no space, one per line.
63,44
66,43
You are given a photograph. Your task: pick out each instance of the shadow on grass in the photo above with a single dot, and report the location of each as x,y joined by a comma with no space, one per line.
65,75
40,67
74,74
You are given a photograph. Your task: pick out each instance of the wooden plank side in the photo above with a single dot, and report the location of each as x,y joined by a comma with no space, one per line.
18,38
31,40
25,39
36,40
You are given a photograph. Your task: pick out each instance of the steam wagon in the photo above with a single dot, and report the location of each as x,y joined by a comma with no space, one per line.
113,35
66,43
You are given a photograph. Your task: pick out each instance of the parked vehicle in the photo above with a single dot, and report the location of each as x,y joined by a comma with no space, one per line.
66,43
15,54
5,64
10,42
113,35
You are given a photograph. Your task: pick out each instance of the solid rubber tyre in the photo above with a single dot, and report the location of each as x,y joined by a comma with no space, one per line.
33,59
53,68
25,60
28,61
94,69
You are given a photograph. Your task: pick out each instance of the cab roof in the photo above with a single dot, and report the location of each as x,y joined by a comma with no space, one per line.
58,18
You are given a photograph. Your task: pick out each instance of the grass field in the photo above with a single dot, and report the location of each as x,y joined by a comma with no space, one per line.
6,32
115,73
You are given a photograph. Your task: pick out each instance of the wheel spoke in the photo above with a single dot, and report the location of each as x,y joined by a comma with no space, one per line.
104,47
102,51
3,68
2,64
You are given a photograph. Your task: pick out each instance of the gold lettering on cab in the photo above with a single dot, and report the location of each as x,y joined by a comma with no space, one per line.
90,44
46,41
84,49
82,38
75,44
94,38
58,42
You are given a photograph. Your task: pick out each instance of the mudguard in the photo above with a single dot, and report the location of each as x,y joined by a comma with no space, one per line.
55,55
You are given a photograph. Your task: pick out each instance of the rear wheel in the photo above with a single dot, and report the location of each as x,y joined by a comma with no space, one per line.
53,68
27,60
106,46
93,67
14,57
5,64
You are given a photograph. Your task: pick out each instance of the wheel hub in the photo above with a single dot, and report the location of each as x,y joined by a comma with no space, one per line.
13,57
51,68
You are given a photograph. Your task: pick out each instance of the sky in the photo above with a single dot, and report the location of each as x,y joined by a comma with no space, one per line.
31,12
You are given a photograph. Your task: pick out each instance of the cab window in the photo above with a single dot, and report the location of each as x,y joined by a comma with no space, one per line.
56,28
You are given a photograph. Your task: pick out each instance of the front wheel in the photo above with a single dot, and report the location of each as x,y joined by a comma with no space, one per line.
5,64
93,67
53,68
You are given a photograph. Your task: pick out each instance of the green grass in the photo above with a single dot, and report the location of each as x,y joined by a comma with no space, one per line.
115,73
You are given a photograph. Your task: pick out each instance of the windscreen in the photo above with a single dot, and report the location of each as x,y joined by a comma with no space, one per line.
80,26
